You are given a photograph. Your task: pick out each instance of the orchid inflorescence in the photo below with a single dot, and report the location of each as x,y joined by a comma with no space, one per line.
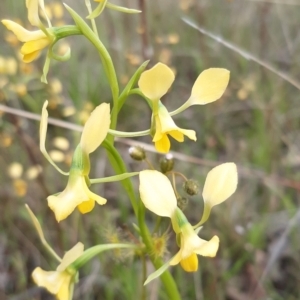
156,191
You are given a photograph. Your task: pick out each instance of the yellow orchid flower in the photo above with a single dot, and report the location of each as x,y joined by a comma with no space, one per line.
34,41
158,196
154,84
164,126
191,245
60,282
77,193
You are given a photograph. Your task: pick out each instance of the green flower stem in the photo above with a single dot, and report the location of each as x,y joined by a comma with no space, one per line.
111,74
183,107
65,31
205,216
138,92
128,134
120,168
114,178
133,80
166,277
106,60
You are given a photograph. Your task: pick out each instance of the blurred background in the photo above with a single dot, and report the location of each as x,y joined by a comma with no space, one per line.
255,124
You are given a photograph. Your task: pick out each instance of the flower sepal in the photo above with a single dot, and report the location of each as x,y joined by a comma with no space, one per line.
60,282
154,84
178,220
105,4
98,10
208,87
158,272
80,161
133,80
76,194
221,182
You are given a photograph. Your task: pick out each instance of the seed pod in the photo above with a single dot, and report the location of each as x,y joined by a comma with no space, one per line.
167,163
137,153
191,187
182,202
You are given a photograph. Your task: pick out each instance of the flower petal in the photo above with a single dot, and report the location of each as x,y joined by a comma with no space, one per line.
33,12
86,206
21,33
220,184
163,145
35,45
62,206
209,248
43,125
177,135
51,280
190,241
190,264
43,133
96,128
175,260
42,6
98,199
27,58
157,193
64,291
166,121
74,194
70,256
167,125
209,86
191,134
155,83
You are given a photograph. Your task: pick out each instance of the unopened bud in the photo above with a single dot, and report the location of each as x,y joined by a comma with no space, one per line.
191,187
182,202
167,163
137,153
